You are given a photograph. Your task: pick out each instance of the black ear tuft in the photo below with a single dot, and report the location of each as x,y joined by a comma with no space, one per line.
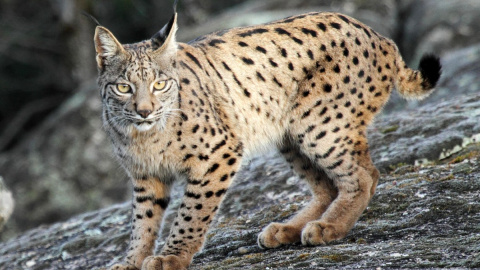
90,16
175,6
431,69
159,38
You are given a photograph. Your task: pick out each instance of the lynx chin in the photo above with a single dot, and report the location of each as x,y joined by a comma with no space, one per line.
308,85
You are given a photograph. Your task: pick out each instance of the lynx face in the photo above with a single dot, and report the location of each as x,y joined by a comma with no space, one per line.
138,83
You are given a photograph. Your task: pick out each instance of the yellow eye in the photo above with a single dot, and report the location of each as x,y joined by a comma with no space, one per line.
123,88
160,85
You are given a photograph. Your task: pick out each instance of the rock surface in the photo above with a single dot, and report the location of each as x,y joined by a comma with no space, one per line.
425,216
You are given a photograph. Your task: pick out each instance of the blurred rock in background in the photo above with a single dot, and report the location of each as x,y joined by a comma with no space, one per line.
54,154
6,204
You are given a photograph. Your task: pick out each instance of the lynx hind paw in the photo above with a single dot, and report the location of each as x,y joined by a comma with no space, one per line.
122,267
320,233
277,234
169,262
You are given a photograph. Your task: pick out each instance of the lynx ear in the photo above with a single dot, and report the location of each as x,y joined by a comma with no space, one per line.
106,46
164,40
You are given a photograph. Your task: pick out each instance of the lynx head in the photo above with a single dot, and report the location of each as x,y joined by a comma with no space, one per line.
138,82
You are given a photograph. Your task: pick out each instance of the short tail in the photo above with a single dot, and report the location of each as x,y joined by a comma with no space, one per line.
418,84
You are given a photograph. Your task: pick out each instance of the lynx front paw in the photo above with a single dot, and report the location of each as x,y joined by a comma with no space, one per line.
277,234
122,267
319,233
169,262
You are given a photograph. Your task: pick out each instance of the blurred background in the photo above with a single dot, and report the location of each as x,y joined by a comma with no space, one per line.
54,156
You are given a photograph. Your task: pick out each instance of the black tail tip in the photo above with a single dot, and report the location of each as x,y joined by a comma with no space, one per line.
431,69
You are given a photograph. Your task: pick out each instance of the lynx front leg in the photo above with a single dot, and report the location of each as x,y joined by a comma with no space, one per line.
150,199
200,203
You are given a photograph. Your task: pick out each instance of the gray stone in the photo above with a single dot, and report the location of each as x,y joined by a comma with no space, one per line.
6,203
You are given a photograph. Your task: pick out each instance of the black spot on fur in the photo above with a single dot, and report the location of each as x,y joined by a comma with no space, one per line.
273,63
261,49
282,31
322,26
193,195
335,25
231,161
248,61
163,202
260,76
309,32
345,19
277,82
321,135
142,199
220,192
226,66
355,60
336,68
310,54
298,41
139,189
195,128
306,114
335,165
327,88
253,32
367,32
365,54
187,156
194,59
215,42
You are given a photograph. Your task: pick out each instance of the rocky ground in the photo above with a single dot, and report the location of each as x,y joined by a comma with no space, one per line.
421,216
65,167
426,212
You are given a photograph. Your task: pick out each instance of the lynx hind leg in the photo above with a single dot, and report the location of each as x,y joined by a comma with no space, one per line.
355,177
323,191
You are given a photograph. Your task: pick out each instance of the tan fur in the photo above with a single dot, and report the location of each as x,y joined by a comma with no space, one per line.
308,84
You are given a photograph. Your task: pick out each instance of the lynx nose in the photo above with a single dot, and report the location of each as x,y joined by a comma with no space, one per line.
144,113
